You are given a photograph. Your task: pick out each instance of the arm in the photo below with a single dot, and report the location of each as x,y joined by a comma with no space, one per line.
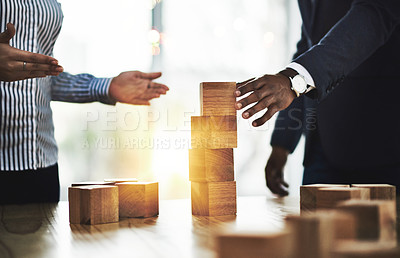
129,87
366,27
286,136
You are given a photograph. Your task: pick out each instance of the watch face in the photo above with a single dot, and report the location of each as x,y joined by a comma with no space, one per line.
299,84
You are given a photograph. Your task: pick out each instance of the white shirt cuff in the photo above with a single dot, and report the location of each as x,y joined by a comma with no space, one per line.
303,72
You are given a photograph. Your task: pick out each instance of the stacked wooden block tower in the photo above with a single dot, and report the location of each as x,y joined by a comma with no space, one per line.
214,135
108,201
336,221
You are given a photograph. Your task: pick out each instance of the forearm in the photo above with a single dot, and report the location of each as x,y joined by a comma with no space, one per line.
366,27
81,88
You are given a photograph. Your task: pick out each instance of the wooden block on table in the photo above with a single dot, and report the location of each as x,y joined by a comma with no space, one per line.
93,204
365,249
328,198
213,132
376,219
91,183
315,234
213,198
120,180
379,191
138,199
208,165
217,98
254,244
308,194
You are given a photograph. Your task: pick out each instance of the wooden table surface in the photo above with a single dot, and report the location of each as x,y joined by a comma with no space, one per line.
43,230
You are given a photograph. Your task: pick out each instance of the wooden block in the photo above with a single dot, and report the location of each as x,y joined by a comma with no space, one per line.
213,198
217,98
376,219
93,204
213,132
365,249
254,244
120,180
328,198
379,191
91,183
138,199
315,234
210,165
308,194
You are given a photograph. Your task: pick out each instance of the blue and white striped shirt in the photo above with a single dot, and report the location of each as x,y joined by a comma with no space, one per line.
26,123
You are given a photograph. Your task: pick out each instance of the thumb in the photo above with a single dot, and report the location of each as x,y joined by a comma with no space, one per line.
7,34
150,76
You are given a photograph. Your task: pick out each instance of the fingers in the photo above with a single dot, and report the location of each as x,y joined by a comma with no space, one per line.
275,184
39,67
30,57
262,104
240,84
257,95
158,86
150,76
270,112
7,34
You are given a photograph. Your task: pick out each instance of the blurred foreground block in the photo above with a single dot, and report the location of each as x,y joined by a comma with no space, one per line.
207,165
365,249
315,234
328,198
93,204
217,98
379,191
120,180
138,199
376,219
254,245
308,195
213,198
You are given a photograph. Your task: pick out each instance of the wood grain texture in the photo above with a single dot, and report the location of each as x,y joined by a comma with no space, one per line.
138,199
328,198
211,165
308,195
43,230
217,98
213,198
93,204
254,244
365,249
376,219
213,132
379,191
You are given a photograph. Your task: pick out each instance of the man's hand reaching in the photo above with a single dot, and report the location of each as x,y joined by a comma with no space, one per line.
136,88
271,92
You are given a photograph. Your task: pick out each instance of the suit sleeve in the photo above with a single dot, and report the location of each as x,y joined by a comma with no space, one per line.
302,46
80,88
289,126
366,27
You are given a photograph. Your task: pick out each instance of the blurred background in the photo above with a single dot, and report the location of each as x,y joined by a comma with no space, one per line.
190,42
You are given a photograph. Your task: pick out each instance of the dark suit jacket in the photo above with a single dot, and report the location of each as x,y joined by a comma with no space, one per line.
352,51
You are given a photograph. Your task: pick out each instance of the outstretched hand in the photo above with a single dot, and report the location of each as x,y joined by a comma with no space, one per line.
136,88
271,92
16,64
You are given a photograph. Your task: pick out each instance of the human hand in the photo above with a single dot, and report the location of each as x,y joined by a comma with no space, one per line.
17,64
274,171
136,88
269,91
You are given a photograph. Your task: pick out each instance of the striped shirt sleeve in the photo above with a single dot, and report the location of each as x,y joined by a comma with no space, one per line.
81,88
